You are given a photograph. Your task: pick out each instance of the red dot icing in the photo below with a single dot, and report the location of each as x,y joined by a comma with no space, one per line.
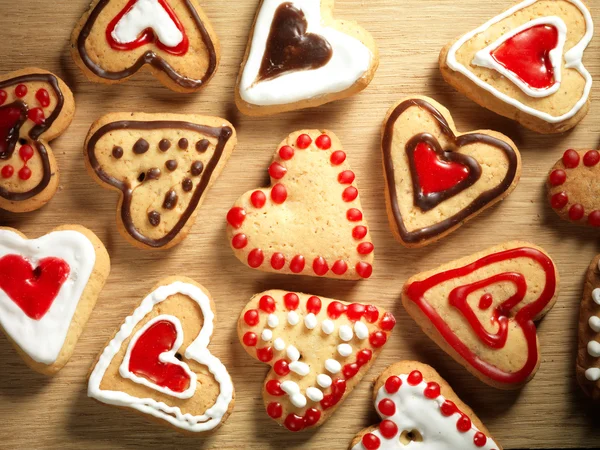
21,91
264,354
359,232
557,177
485,301
313,305
339,267
576,212
251,317
250,339
591,158
350,194
377,339
267,304
323,142
274,410
337,157
570,159
256,258
36,115
463,424
365,248
286,152
297,264
594,218
273,387
559,200
258,199
414,378
371,441
236,216
448,408
25,173
277,171
311,417
392,384
363,357
346,177
387,407
281,367
3,96
479,439
354,311
8,171
388,429
278,193
43,97
294,422
338,387
303,141
26,152
354,215
432,390
320,266
277,261
291,300
239,241
388,322
364,270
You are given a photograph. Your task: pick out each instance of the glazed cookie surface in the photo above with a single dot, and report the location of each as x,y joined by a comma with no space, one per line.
437,178
35,107
158,362
310,220
481,310
48,289
527,64
419,410
298,56
163,165
171,38
318,349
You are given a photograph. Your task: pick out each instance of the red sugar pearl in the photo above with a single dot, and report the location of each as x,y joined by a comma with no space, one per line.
42,97
591,158
251,317
365,248
236,217
370,441
354,215
239,241
267,304
258,199
463,424
559,200
359,232
281,367
448,408
26,152
277,171
250,339
479,439
297,264
264,354
432,390
277,261
414,378
364,270
3,96
337,157
36,115
21,91
388,429
378,339
25,173
594,218
278,193
387,407
350,194
8,171
392,384
323,142
320,266
557,177
570,159
256,258
346,177
291,300
576,212
303,141
313,305
274,388
286,152
339,267
274,410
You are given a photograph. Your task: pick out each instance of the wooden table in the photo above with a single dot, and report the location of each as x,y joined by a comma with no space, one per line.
39,412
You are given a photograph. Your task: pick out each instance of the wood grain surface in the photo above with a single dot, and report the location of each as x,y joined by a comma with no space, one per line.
38,412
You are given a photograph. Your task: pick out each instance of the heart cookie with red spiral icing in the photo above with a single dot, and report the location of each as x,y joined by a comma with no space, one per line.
310,221
318,349
419,410
481,309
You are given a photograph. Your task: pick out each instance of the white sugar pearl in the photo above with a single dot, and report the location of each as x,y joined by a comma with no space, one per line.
316,395
595,323
327,326
333,366
324,380
344,350
273,320
596,295
266,335
293,353
593,348
361,330
279,344
346,333
310,321
293,318
300,368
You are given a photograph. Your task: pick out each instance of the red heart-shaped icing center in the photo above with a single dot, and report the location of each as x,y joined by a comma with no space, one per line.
144,360
33,290
436,175
11,118
527,55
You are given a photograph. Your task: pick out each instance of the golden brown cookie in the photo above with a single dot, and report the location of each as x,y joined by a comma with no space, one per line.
527,64
318,349
437,178
158,362
163,165
481,310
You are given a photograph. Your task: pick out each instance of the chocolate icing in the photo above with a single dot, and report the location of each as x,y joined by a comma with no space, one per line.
183,144
202,145
289,47
164,145
222,133
148,57
466,139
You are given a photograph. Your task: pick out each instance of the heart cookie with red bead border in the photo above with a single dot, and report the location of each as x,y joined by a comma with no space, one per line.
158,362
318,349
527,64
310,221
171,38
298,56
35,107
48,289
163,165
420,410
437,178
481,310
573,187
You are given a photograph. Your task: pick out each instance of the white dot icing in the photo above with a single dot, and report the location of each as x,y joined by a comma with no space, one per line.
266,335
344,350
293,353
593,374
327,326
593,348
316,395
310,321
279,344
273,320
324,380
595,323
596,295
346,333
293,391
300,368
333,366
293,318
361,330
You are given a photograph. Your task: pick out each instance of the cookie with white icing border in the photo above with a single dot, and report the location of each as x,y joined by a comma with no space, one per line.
419,410
481,310
163,165
318,349
35,107
437,178
310,220
527,64
48,289
158,362
173,39
299,56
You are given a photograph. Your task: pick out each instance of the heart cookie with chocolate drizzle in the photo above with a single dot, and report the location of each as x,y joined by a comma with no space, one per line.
163,165
318,349
310,221
35,108
438,178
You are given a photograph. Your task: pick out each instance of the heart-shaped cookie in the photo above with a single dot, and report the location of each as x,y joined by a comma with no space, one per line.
158,362
35,107
420,411
162,164
48,289
437,178
172,38
298,56
310,221
318,350
527,64
481,310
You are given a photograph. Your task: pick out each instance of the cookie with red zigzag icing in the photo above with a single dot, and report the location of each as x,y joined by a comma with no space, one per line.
420,410
310,220
318,349
171,38
527,64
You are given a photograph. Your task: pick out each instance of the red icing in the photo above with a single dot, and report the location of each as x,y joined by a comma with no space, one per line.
365,248
303,141
281,367
414,378
26,152
570,159
294,422
346,177
274,410
350,194
32,289
576,212
236,216
250,339
25,173
479,439
463,424
354,215
277,261
387,407
523,318
277,171
388,429
256,258
286,152
320,266
432,390
527,55
591,158
594,218
362,358
278,193
3,96
8,171
10,122
359,232
251,317
297,264
144,360
337,157
557,177
36,115
267,304
354,311
485,301
448,408
392,384
258,199
291,300
436,175
21,90
239,241
378,339
273,387
323,142
371,441
388,322
148,36
364,270
264,354
559,200
43,97
313,305
339,267
338,388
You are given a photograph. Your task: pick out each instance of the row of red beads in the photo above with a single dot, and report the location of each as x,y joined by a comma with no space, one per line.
557,177
277,171
35,114
387,407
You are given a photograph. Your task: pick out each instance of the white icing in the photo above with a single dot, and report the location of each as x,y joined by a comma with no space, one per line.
361,330
293,353
594,323
300,368
147,14
333,366
324,380
573,59
344,350
165,357
414,411
273,321
346,333
596,296
593,374
593,349
293,391
315,394
327,326
279,344
310,321
266,335
197,351
293,318
350,61
43,339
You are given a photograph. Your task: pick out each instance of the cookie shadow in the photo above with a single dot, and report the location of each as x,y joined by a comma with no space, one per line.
18,380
